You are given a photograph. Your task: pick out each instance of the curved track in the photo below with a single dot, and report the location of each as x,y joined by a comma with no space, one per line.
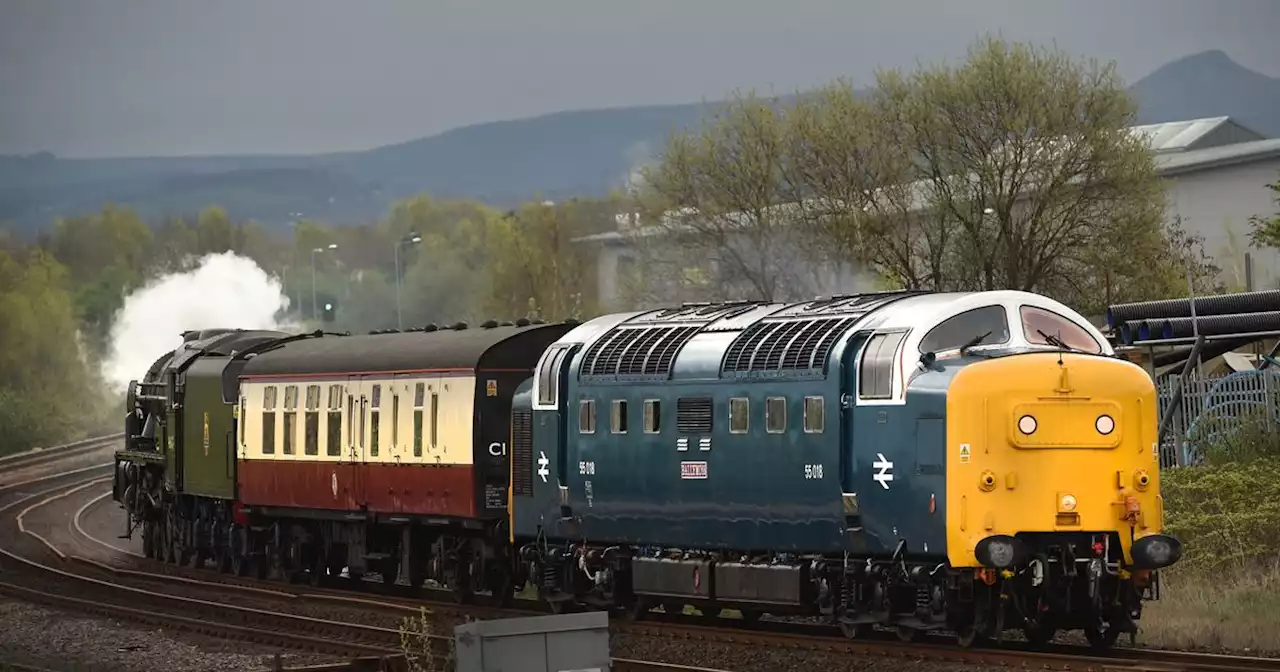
38,570
776,634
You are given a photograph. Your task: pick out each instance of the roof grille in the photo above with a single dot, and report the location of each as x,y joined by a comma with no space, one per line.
637,350
786,345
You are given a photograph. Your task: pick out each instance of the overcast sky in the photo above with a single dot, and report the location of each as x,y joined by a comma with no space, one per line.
164,77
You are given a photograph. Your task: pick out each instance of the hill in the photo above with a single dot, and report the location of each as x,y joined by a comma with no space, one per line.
575,153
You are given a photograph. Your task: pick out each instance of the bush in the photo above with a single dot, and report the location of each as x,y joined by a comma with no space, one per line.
427,646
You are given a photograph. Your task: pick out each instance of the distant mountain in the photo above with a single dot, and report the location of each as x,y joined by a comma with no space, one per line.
557,156
1209,84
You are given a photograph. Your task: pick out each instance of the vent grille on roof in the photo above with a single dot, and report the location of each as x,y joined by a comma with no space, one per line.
694,415
637,351
522,453
789,345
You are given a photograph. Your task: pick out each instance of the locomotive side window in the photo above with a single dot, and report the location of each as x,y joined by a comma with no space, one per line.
618,418
374,403
549,376
960,329
269,420
311,437
587,416
775,415
875,377
419,396
652,416
739,415
290,418
333,437
1036,320
814,421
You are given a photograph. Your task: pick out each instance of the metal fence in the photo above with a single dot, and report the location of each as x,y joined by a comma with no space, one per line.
1213,408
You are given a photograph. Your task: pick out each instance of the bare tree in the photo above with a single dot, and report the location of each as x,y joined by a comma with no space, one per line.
714,194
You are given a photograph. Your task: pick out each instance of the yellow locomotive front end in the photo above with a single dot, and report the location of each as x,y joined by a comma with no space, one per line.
1053,492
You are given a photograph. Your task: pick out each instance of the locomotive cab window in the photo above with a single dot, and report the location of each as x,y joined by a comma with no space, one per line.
961,329
875,376
1036,320
814,421
739,415
618,416
652,416
775,415
587,416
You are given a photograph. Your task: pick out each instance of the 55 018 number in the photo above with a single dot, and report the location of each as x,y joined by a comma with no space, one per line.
812,472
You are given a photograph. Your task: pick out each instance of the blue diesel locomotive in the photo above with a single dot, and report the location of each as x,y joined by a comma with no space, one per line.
970,462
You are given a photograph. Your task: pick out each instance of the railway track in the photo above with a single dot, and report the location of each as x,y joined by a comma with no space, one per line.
776,634
378,647
38,456
43,575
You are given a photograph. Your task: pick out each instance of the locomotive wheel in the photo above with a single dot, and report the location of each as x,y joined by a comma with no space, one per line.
1100,638
389,568
854,630
1039,634
148,540
907,634
969,636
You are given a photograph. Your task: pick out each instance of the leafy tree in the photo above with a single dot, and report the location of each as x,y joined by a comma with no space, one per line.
1265,231
42,375
536,269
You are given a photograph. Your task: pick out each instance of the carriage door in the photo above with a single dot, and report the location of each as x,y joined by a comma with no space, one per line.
345,471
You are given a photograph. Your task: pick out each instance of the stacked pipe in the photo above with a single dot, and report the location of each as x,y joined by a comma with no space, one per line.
1225,314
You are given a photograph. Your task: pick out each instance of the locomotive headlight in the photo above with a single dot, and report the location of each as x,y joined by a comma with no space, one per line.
1105,424
1027,424
1000,551
1155,551
1067,503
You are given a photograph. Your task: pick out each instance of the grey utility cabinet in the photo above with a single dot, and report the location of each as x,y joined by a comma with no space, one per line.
562,643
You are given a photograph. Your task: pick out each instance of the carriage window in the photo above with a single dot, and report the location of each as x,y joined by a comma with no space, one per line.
435,419
290,418
960,329
652,416
587,416
244,421
875,377
619,416
775,415
395,420
813,415
1036,320
374,403
739,415
419,394
311,434
333,437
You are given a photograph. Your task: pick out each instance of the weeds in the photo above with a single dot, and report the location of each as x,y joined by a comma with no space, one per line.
427,646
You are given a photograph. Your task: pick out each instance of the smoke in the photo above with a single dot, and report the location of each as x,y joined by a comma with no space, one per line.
221,291
638,155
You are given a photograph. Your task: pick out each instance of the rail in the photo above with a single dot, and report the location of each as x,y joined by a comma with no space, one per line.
40,455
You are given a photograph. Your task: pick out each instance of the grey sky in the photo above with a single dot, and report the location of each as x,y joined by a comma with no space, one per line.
151,77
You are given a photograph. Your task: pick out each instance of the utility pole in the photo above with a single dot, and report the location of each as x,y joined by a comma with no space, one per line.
332,246
412,239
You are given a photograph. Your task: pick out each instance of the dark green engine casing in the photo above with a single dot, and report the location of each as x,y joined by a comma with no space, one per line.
181,415
207,452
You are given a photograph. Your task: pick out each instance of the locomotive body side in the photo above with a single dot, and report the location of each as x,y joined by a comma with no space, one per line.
741,499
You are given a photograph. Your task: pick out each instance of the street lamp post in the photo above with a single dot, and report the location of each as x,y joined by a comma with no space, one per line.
412,239
332,246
